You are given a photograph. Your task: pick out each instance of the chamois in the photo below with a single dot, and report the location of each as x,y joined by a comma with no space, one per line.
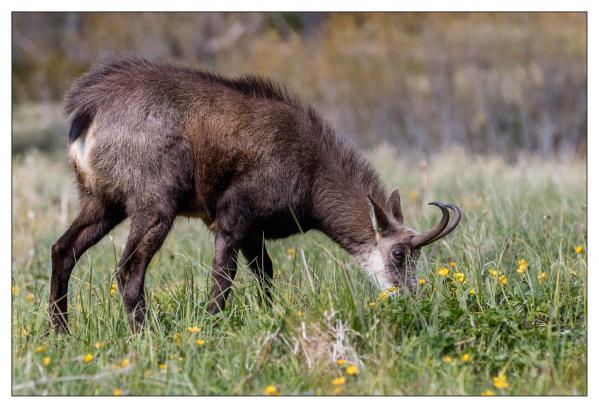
152,141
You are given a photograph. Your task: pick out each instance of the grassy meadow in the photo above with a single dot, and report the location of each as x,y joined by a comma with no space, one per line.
501,306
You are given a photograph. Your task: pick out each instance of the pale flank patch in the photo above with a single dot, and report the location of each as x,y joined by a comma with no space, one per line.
373,264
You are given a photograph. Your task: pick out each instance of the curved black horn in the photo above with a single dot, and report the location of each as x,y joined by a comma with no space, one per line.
457,216
430,236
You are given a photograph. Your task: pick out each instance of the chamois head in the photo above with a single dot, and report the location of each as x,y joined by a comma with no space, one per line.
391,261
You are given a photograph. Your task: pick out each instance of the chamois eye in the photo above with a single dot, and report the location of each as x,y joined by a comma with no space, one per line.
397,255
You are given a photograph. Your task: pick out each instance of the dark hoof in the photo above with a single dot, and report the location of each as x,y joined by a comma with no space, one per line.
214,309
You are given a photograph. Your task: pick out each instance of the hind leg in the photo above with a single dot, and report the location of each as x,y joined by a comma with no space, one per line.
149,229
94,221
255,253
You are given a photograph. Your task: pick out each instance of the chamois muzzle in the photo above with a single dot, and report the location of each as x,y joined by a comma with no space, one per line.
443,228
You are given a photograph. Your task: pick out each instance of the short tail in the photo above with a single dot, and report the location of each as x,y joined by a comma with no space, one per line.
79,124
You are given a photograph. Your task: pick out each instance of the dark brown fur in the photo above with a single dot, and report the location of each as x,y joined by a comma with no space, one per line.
242,154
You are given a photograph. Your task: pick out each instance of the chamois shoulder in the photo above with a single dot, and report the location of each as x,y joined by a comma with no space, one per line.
258,87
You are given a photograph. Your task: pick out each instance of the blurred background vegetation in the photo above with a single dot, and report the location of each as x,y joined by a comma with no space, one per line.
510,84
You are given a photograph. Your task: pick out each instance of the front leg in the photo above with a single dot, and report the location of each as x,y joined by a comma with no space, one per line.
224,268
260,264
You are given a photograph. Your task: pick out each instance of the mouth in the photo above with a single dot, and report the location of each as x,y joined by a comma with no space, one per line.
408,285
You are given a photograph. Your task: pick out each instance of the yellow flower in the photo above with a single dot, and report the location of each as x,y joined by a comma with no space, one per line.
200,342
383,295
466,358
579,249
177,338
443,271
14,290
272,390
372,304
46,361
542,277
341,362
352,370
117,392
422,281
446,359
392,289
522,265
124,362
299,313
500,381
453,264
493,273
98,345
460,277
29,297
162,366
487,393
338,381
503,280
290,253
88,358
40,349
193,329
113,288
472,292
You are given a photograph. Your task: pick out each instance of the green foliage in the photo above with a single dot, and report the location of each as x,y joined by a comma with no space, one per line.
532,329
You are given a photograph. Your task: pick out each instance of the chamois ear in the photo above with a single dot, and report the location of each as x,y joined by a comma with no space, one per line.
380,221
395,206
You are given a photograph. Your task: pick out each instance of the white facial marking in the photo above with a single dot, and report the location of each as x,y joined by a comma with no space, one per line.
374,265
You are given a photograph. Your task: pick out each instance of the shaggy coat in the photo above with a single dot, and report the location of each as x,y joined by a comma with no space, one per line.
153,141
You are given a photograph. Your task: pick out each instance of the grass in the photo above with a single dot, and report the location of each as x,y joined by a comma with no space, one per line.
531,330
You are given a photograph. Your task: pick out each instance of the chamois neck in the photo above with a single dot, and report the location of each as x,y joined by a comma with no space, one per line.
341,205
